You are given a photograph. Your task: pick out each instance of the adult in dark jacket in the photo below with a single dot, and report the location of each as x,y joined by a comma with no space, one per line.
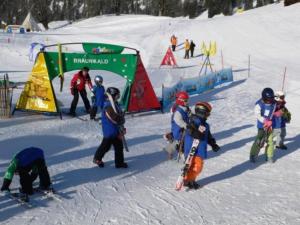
78,83
112,120
192,48
98,96
28,164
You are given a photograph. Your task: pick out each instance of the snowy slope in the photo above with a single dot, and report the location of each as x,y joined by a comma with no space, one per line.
234,191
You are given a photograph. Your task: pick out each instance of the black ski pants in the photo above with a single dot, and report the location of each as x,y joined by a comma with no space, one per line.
106,145
29,173
85,100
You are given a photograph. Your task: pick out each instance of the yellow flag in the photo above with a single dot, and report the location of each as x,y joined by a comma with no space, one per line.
213,49
38,93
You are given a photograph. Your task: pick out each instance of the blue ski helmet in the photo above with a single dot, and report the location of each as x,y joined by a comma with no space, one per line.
267,94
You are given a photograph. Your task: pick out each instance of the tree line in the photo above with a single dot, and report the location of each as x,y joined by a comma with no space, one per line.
44,11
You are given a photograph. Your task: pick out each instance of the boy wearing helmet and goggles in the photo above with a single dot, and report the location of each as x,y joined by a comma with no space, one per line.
97,96
264,111
198,128
179,119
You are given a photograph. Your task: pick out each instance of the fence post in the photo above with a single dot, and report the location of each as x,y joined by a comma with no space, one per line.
283,81
222,60
248,66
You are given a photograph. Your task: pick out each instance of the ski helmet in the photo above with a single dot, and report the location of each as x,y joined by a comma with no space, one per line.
182,98
114,92
279,95
98,80
203,109
267,95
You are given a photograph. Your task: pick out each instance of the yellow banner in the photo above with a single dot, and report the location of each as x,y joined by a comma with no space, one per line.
38,94
211,50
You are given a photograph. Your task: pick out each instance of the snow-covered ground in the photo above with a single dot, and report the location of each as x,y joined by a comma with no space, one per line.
234,191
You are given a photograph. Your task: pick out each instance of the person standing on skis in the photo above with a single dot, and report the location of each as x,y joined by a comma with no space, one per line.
282,116
198,128
187,49
28,164
112,119
192,48
97,96
264,110
173,42
78,83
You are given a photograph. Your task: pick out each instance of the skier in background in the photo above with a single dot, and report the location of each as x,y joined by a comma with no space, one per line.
192,48
198,128
97,96
78,83
112,118
187,48
282,116
28,164
264,110
173,42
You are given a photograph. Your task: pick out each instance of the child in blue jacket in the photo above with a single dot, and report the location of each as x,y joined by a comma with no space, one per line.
97,96
112,118
198,128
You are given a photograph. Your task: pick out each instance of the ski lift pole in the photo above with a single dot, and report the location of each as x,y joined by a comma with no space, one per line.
60,66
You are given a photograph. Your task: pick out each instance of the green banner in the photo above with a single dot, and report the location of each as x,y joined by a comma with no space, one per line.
123,65
99,48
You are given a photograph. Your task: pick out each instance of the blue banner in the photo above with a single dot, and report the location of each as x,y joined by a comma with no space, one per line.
196,85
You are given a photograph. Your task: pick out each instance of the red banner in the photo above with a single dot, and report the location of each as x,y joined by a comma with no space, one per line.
142,96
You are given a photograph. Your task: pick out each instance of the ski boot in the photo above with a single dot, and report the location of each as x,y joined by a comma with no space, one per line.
282,147
252,158
122,165
191,185
99,163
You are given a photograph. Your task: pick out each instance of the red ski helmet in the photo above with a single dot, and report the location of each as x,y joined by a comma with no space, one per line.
203,109
182,98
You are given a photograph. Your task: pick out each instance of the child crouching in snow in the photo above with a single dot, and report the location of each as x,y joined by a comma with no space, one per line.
198,128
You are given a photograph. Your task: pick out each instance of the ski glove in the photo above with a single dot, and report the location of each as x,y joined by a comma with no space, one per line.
267,123
5,185
215,147
278,113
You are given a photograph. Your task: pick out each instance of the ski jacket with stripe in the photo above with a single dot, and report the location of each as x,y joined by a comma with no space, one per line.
194,133
111,120
24,158
178,121
99,93
263,111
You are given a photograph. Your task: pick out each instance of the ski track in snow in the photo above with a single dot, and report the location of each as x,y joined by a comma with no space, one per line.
232,190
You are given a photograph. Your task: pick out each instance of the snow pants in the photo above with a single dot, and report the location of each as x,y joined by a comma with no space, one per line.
279,135
187,56
85,100
106,145
269,149
195,169
29,173
173,48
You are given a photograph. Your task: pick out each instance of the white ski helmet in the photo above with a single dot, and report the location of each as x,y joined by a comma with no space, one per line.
279,95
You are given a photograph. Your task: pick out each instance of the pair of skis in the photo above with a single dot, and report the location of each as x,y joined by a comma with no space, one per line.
16,196
187,165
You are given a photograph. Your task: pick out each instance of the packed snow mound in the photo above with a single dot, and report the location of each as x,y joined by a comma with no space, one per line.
233,190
